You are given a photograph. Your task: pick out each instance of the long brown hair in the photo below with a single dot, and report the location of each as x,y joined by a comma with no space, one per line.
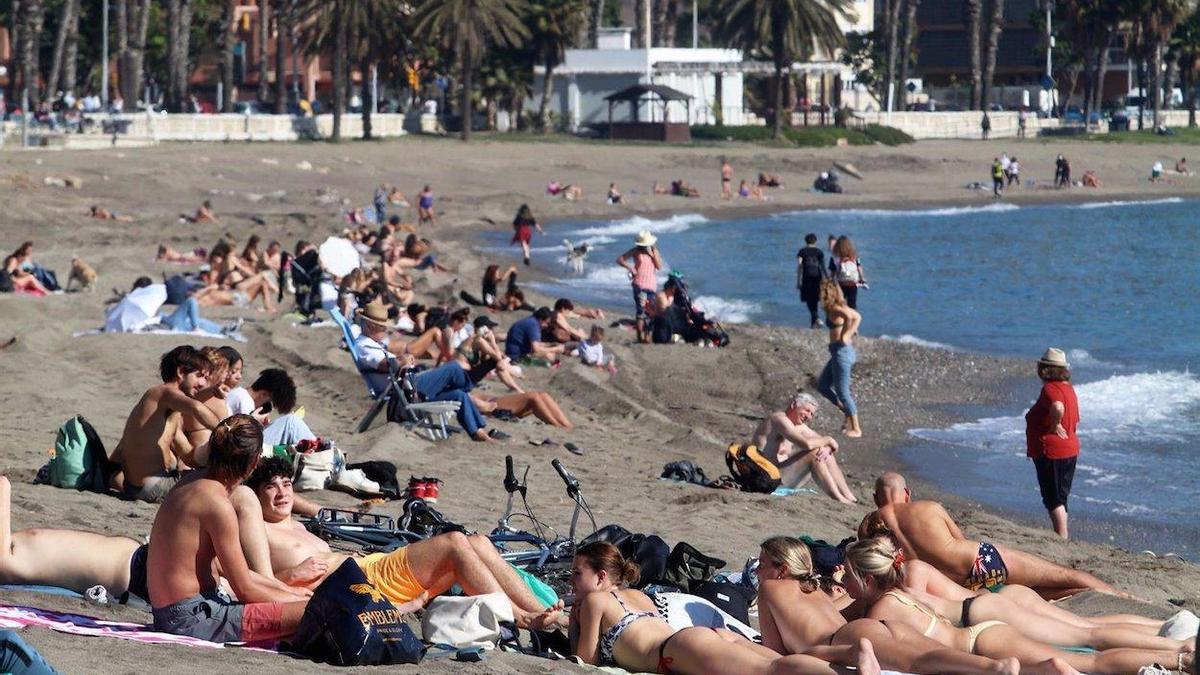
601,555
831,294
844,248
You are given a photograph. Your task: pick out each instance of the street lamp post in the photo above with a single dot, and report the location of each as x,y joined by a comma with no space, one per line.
104,51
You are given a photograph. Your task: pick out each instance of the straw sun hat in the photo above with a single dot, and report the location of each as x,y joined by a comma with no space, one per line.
1054,357
644,238
375,312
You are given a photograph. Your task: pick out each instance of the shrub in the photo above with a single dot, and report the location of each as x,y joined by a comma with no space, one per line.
887,135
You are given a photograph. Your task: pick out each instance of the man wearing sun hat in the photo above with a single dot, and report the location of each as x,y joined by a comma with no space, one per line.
1050,436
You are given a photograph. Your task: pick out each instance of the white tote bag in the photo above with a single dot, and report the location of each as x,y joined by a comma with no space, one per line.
471,621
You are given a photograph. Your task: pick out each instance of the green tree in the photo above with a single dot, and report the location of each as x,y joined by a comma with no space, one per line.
784,30
554,25
471,27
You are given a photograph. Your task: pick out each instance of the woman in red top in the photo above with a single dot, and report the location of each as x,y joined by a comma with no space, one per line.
1050,436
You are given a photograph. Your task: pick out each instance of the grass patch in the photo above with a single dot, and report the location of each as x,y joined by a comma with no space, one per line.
1181,136
804,137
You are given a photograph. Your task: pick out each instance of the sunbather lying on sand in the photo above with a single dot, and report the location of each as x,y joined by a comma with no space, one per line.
873,578
197,526
797,616
408,576
104,214
71,559
926,532
614,625
204,214
170,255
1029,613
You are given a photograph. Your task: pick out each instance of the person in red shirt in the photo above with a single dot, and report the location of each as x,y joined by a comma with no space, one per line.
1050,436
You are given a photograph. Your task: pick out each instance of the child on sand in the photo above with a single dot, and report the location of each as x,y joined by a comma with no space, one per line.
591,351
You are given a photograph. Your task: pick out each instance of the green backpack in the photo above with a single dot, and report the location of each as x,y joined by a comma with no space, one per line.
79,457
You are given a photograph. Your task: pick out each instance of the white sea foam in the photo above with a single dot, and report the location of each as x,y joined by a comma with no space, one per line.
635,224
907,339
727,309
1081,357
1119,202
1120,410
905,213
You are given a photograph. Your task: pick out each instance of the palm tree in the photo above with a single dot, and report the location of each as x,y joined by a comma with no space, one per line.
32,16
995,26
179,33
786,30
282,22
228,43
906,44
471,27
1160,24
595,18
68,18
554,23
264,42
891,42
974,12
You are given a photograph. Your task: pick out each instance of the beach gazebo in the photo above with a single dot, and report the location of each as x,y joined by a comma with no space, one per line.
637,130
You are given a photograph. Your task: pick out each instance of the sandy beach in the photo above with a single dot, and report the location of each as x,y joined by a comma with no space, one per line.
667,402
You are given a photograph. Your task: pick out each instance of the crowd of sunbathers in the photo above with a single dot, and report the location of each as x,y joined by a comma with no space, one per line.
227,561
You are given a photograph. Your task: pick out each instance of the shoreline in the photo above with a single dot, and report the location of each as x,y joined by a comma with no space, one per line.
667,403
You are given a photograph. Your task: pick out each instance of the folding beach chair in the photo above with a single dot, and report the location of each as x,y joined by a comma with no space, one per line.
433,417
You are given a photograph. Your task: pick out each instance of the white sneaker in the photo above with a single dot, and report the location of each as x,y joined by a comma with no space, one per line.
355,479
1181,626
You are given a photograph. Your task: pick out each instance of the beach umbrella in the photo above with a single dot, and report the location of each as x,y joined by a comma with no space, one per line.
339,257
135,309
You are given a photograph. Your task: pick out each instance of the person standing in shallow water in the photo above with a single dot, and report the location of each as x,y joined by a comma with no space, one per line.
1050,438
810,270
834,383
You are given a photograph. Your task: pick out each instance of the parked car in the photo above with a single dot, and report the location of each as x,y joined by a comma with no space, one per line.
1074,115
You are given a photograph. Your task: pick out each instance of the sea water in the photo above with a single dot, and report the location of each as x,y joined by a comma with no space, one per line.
1115,284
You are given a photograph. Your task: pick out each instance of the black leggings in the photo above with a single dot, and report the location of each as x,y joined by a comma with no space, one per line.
851,293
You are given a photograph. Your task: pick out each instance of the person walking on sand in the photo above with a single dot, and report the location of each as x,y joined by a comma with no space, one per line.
726,180
997,177
834,383
1014,172
810,270
1050,438
985,126
644,275
523,226
425,206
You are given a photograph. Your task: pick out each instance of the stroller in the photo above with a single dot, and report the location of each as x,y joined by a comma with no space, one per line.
699,327
306,277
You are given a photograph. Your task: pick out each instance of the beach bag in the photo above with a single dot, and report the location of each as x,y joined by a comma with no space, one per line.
79,457
688,568
316,469
733,599
466,621
752,471
6,284
348,622
848,272
827,557
685,471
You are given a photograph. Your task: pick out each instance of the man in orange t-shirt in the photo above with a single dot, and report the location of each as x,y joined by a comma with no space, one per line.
1050,436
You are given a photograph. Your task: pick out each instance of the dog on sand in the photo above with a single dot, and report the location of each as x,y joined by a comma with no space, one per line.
83,274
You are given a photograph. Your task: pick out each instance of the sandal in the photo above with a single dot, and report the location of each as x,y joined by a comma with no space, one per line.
498,435
573,449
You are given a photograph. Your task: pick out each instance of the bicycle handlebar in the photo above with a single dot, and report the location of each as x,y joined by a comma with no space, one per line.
510,478
570,481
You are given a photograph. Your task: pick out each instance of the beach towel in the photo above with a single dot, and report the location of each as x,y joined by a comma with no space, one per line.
17,617
156,329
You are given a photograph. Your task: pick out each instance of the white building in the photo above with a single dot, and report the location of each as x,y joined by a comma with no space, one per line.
712,77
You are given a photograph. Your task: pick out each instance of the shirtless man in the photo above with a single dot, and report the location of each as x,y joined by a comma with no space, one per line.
71,559
799,452
408,576
197,527
926,532
153,448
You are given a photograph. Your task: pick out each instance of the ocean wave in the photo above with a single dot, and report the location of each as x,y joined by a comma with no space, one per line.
904,213
635,224
1119,202
1117,412
907,339
1081,357
732,310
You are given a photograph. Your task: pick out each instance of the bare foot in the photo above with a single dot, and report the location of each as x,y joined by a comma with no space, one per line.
867,663
1061,667
482,436
853,433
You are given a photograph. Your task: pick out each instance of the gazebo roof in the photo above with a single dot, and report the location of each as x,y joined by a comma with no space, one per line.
637,91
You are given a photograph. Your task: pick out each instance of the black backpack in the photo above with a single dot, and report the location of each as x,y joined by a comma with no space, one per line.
733,599
812,265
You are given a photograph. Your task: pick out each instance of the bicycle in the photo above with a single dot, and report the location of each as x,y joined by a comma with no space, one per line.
547,558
